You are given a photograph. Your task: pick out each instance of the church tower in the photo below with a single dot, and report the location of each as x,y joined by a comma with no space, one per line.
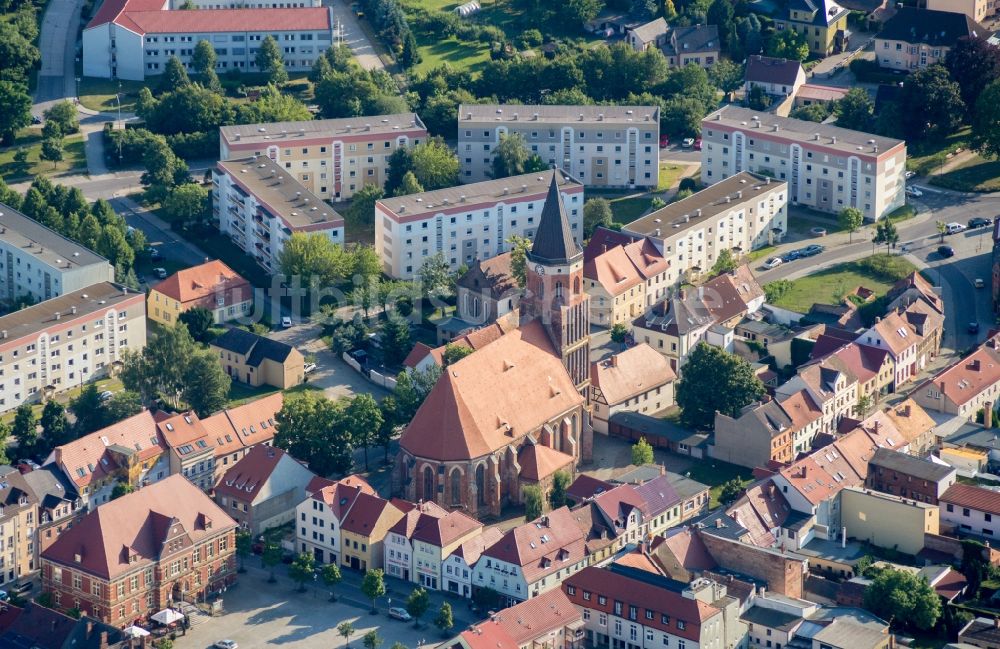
554,289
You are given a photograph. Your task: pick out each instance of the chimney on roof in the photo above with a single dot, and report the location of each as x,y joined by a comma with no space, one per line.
90,627
805,471
614,360
975,365
104,640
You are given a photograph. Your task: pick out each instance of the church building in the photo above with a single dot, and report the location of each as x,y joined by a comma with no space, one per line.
513,412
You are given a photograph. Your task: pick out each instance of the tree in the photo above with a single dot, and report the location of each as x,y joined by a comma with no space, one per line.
55,428
412,387
855,110
715,380
727,76
619,333
986,122
244,544
17,53
533,502
557,495
372,640
303,569
512,157
942,229
25,429
5,433
974,63
731,490
87,410
580,11
642,453
121,489
724,263
187,203
363,419
64,115
309,425
313,258
453,352
417,604
203,61
362,210
435,276
934,106
271,557
387,431
596,212
519,248
270,63
409,185
444,620
811,113
903,597
199,321
788,44
52,150
121,405
757,98
174,76
161,367
396,342
885,232
863,405
16,113
373,586
434,164
851,219
346,630
365,262
331,577
722,14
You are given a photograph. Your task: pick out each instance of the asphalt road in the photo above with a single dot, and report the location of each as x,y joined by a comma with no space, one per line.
57,44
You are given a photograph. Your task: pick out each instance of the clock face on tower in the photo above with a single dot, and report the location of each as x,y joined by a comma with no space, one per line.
539,269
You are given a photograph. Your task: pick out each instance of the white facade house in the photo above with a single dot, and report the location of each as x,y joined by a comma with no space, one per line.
259,207
318,519
41,263
970,510
826,167
601,146
133,39
468,223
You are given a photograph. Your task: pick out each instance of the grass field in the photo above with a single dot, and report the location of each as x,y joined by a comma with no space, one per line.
458,54
830,285
626,210
670,175
975,175
99,94
74,157
927,158
715,474
114,385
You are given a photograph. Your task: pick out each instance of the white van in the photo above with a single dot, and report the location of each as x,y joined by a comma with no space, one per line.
953,228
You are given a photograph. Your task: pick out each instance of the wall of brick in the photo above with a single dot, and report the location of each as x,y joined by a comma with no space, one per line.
783,574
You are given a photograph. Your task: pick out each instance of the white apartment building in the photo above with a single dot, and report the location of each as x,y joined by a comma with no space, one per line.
133,39
739,213
468,223
333,158
826,167
318,519
601,146
259,205
67,341
42,263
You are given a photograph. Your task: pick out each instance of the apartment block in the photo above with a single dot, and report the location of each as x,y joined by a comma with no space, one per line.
38,262
468,223
739,213
133,39
259,205
827,168
601,146
333,158
67,341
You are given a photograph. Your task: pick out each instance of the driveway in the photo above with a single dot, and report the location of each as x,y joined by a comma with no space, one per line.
57,45
353,36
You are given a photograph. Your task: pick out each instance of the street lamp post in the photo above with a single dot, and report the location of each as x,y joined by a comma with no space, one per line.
120,125
78,90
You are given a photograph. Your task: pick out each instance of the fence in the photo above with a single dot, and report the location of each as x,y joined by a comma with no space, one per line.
378,379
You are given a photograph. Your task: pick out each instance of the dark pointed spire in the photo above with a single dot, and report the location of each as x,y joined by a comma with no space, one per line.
554,239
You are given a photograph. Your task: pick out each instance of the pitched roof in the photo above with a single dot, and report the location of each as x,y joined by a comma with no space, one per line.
500,393
934,28
37,626
474,340
896,332
686,311
244,479
862,361
629,373
613,270
586,486
763,419
553,239
910,465
650,31
910,419
604,239
491,275
761,509
129,532
729,295
768,69
646,258
681,551
542,546
407,525
143,17
967,377
538,616
617,504
825,11
801,409
50,486
916,282
204,284
365,513
973,497
539,461
693,38
246,425
471,549
339,497
659,494
259,348
185,434
442,531
87,459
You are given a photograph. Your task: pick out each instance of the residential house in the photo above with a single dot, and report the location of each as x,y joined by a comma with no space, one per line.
971,510
486,292
733,295
318,518
423,356
624,513
398,543
213,286
915,38
887,521
907,476
812,93
830,384
693,44
34,625
140,553
549,620
638,379
262,490
977,10
237,430
914,425
647,35
665,506
623,281
433,539
966,386
59,505
131,452
19,517
821,23
780,77
532,558
457,569
256,360
912,288
192,450
658,433
762,433
675,326
807,420
873,367
363,531
981,632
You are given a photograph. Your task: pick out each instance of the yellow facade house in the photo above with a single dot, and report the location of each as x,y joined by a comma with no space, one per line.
887,521
212,285
823,24
363,531
258,361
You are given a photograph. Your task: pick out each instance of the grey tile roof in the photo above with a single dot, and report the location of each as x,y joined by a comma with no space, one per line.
692,39
48,245
910,465
553,238
767,69
771,618
259,348
934,28
283,131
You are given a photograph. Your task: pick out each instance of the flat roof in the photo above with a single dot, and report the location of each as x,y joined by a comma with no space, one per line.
842,140
88,301
514,188
48,245
284,196
558,114
700,207
284,131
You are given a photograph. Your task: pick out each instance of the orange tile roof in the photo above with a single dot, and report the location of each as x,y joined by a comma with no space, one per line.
488,635
444,530
646,258
973,497
537,616
137,526
810,480
492,397
896,332
639,560
630,373
474,340
543,546
729,294
613,271
910,419
340,498
801,409
539,461
87,459
184,434
243,426
365,513
966,378
201,285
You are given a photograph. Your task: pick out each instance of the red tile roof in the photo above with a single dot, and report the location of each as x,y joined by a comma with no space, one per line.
472,549
247,425
365,513
414,514
185,434
966,378
539,461
586,486
613,271
543,546
488,635
201,286
445,530
972,497
474,340
537,616
128,533
149,16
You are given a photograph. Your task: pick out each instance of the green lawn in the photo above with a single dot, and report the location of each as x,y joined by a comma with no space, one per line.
926,158
715,473
828,286
626,210
975,175
902,213
670,175
460,55
241,393
74,157
99,94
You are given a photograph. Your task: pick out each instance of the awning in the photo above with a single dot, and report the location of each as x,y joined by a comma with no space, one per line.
135,631
167,616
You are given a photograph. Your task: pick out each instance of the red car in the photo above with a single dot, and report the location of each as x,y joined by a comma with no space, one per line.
664,141
697,144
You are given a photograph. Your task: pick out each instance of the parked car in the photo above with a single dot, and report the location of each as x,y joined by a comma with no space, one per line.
773,262
792,255
309,367
946,251
107,394
812,250
954,228
973,328
913,191
398,613
978,282
35,119
909,174
979,222
226,644
22,588
161,273
664,141
154,254
688,142
4,597
286,321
